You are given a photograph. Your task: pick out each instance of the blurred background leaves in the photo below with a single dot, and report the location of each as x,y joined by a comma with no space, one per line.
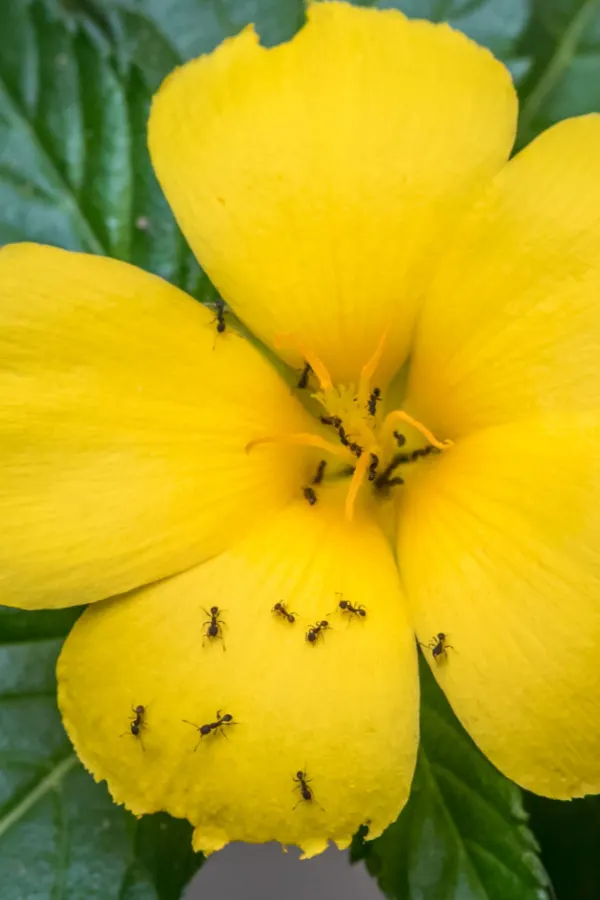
76,80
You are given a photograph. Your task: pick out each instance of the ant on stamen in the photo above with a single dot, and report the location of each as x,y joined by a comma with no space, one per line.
331,420
137,724
346,606
393,482
373,400
355,448
310,495
438,646
400,439
303,380
383,481
373,467
314,632
306,794
423,451
280,610
320,472
212,727
220,316
344,441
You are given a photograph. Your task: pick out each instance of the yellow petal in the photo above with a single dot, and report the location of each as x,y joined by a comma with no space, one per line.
123,423
344,710
511,325
316,180
499,549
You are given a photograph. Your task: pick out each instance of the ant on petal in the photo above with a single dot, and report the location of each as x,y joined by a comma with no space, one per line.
137,724
306,793
315,631
439,646
212,727
347,607
280,610
215,624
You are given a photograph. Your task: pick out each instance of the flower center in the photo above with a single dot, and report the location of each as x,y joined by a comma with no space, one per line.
361,437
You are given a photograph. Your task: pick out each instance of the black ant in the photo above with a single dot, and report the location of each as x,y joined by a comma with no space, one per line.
137,724
438,646
220,316
314,632
214,623
400,439
212,727
373,467
373,399
320,472
302,781
346,606
310,495
303,380
280,610
331,420
346,442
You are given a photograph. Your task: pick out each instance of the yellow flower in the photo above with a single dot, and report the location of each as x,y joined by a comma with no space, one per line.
348,193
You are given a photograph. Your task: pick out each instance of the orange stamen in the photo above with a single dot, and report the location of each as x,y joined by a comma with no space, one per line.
398,415
292,342
357,479
301,439
369,369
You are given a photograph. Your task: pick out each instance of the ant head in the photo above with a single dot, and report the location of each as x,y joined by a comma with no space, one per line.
139,709
441,636
300,774
214,610
227,717
343,604
324,623
278,605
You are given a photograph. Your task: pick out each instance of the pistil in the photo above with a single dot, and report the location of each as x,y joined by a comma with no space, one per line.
353,413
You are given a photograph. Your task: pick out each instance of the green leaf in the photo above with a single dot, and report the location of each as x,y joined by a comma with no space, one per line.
557,15
60,833
74,167
565,80
463,833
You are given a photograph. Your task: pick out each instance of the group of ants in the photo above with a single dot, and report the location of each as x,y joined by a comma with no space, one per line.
438,645
382,480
